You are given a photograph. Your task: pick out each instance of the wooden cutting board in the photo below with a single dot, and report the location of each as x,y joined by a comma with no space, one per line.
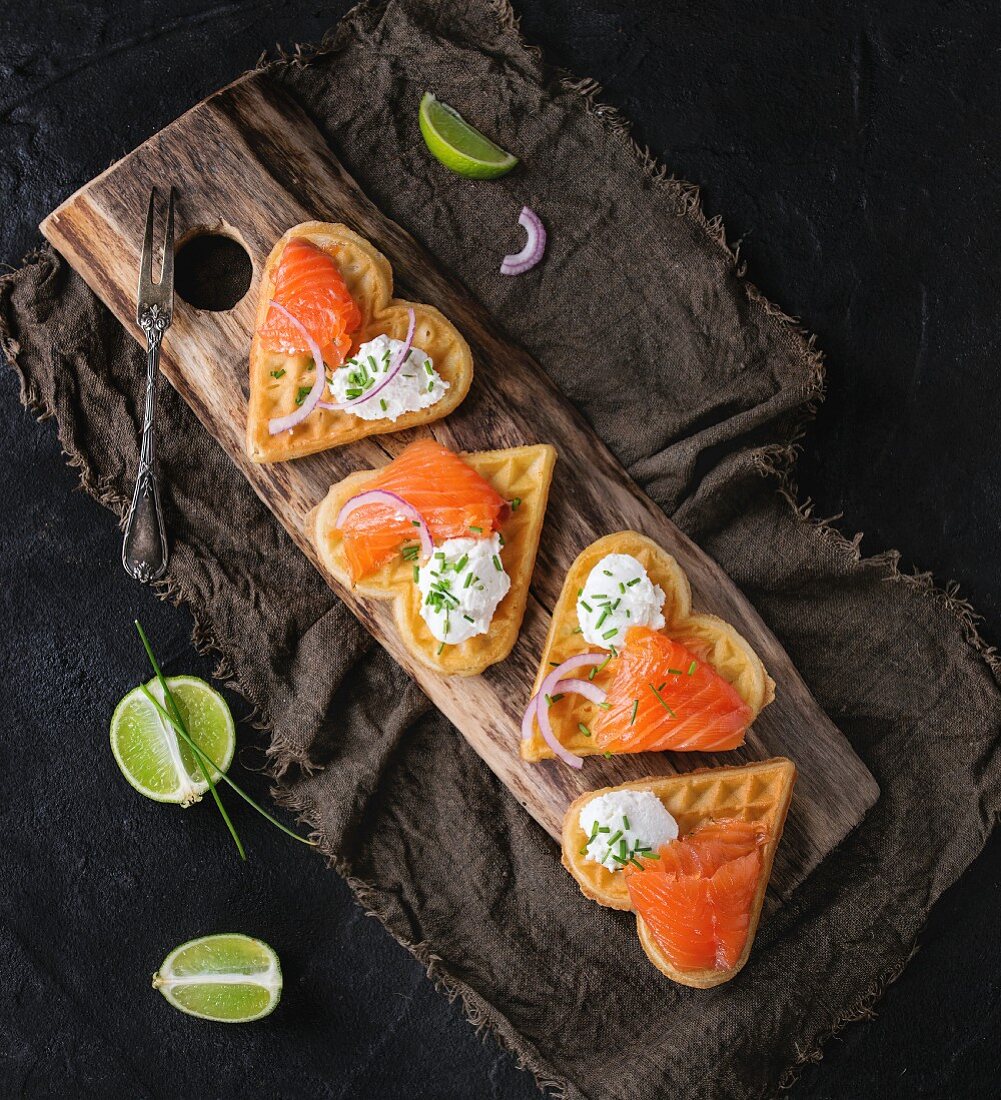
248,162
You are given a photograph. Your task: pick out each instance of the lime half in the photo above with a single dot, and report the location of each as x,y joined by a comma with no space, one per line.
151,755
229,977
460,146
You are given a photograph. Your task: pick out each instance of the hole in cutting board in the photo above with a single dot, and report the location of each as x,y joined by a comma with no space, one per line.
212,271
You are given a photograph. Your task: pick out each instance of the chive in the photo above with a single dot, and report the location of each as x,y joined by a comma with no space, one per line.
382,402
427,366
417,574
601,618
583,729
354,393
577,630
605,706
469,580
594,831
515,504
607,572
608,756
371,359
635,580
583,850
301,394
692,667
674,672
497,564
478,530
610,633
636,704
580,592
598,668
431,386
416,522
614,652
440,648
625,821
587,607
661,701
635,862
605,829
461,563
278,373
613,839
468,618
622,588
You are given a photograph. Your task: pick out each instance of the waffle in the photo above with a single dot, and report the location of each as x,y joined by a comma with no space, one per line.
523,472
710,638
369,279
758,792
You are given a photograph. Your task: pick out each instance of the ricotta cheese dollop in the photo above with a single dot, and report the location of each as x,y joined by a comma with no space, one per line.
417,385
624,824
618,594
461,585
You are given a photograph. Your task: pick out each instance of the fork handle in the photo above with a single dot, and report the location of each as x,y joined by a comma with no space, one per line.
144,547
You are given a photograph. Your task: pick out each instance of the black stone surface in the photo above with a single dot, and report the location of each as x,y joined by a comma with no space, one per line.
854,154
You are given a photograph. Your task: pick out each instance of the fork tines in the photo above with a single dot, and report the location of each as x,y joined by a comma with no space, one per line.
160,294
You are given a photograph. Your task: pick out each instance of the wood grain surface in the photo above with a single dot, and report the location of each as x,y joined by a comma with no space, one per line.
249,163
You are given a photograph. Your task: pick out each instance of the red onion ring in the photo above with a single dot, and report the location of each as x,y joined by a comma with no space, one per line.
538,708
581,687
394,369
384,496
279,424
535,245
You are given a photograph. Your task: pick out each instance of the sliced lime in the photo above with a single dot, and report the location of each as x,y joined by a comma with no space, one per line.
460,146
228,977
152,757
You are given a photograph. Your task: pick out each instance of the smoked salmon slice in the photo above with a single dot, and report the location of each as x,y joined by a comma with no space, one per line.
452,498
697,903
663,697
309,285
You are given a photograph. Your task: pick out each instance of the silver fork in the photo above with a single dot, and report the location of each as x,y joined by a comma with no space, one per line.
144,547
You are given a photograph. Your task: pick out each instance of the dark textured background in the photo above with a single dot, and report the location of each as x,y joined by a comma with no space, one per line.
855,156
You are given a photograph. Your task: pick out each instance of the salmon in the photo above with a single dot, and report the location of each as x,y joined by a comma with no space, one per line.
309,285
452,498
662,697
697,903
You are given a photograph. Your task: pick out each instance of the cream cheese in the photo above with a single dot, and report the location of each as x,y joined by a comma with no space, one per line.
623,824
461,585
417,385
618,594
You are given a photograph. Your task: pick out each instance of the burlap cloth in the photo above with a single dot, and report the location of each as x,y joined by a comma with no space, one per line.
642,317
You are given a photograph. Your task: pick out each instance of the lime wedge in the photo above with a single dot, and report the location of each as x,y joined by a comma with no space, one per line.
229,977
152,757
460,146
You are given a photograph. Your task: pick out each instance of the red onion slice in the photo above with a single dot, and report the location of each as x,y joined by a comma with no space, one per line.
394,369
278,424
384,496
538,708
535,245
581,687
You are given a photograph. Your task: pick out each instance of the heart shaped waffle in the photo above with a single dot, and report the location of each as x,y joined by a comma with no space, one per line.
369,279
759,793
710,638
517,472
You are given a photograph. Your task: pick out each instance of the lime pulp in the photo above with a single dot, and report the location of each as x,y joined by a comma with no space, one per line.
229,977
152,757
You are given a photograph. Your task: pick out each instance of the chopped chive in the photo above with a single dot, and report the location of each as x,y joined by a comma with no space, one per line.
613,839
468,618
278,373
469,580
583,729
301,394
661,701
382,402
440,648
605,706
577,630
583,850
515,504
605,829
416,522
431,386
601,618
622,588
674,672
594,830
478,530
635,580
427,366
636,704
461,563
625,821
692,667
610,633
608,756
587,607
417,574
497,564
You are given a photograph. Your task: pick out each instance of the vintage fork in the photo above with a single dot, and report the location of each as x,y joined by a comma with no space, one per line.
144,547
